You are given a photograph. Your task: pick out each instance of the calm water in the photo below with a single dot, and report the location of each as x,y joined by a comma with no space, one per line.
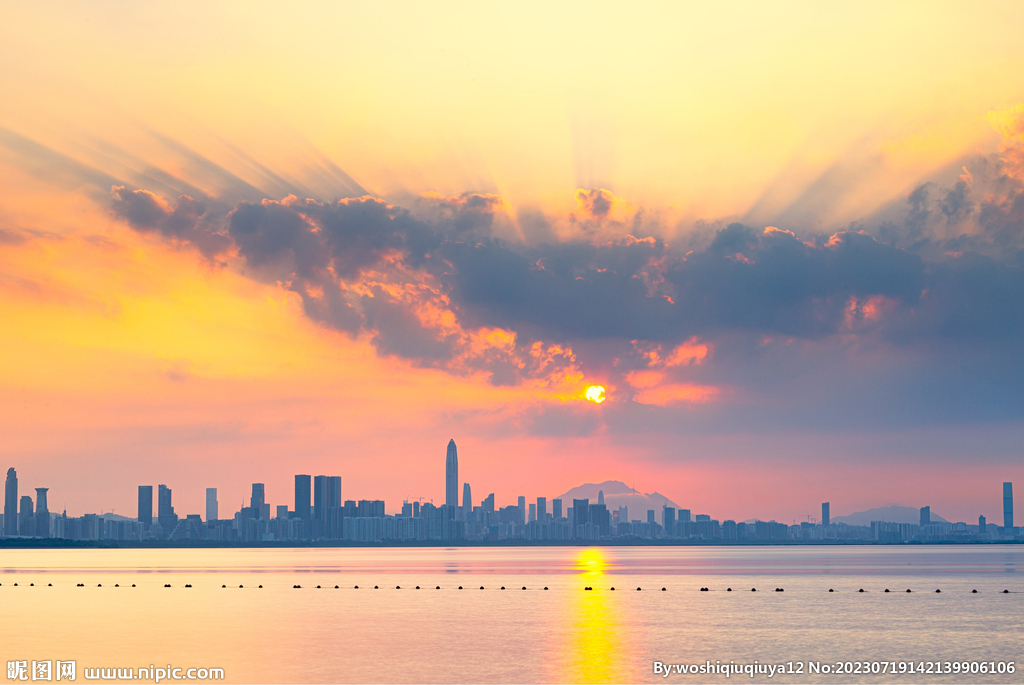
565,634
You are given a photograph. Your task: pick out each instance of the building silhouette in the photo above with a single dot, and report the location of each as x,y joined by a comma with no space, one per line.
257,500
165,515
211,504
467,500
146,506
926,515
542,508
451,475
303,484
25,516
11,503
826,516
42,527
1008,506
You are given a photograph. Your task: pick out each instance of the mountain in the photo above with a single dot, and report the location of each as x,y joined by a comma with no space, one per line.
893,513
618,494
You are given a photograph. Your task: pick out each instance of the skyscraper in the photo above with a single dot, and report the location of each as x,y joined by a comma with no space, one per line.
11,503
542,508
42,527
257,500
25,516
146,506
165,510
451,476
668,519
533,513
488,503
211,504
826,516
580,511
302,489
926,515
1008,507
600,496
556,509
467,500
334,492
522,510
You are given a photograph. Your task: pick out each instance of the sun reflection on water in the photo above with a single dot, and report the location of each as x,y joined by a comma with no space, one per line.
597,650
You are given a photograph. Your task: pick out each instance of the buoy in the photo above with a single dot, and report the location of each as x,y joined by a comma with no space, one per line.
1006,592
398,587
16,585
502,587
524,587
481,587
438,587
31,584
239,586
938,590
167,584
417,587
375,587
460,587
974,592
49,585
831,590
728,589
861,590
663,589
753,589
908,589
133,584
886,589
335,587
545,587
356,587
116,585
261,587
317,587
186,585
226,585
294,587
638,589
779,589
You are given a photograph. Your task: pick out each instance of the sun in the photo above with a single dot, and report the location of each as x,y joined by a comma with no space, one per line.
595,393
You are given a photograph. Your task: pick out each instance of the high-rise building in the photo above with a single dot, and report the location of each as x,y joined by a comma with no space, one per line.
165,510
467,498
334,492
302,490
146,506
319,498
451,475
580,511
683,516
533,513
11,503
826,516
926,515
1008,507
650,517
556,509
668,519
488,503
211,504
542,508
282,512
257,500
982,525
600,496
42,527
522,510
25,516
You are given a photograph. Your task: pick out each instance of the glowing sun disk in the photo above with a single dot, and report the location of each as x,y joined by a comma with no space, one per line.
595,393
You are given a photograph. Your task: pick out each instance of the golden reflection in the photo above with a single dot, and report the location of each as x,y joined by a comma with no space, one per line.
596,651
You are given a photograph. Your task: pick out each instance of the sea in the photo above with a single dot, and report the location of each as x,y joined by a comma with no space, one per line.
830,614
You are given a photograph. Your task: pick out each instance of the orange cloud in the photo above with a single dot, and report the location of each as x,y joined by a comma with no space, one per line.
690,352
644,379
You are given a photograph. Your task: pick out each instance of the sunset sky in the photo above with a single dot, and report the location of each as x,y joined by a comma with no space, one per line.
241,241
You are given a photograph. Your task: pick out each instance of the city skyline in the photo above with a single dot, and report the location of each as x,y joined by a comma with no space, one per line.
319,513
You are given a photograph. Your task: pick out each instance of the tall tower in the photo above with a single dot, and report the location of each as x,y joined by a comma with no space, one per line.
826,514
146,506
211,504
42,514
467,499
257,500
451,476
11,503
1008,506
303,485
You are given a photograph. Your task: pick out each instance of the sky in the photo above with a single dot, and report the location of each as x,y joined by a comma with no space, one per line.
244,241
